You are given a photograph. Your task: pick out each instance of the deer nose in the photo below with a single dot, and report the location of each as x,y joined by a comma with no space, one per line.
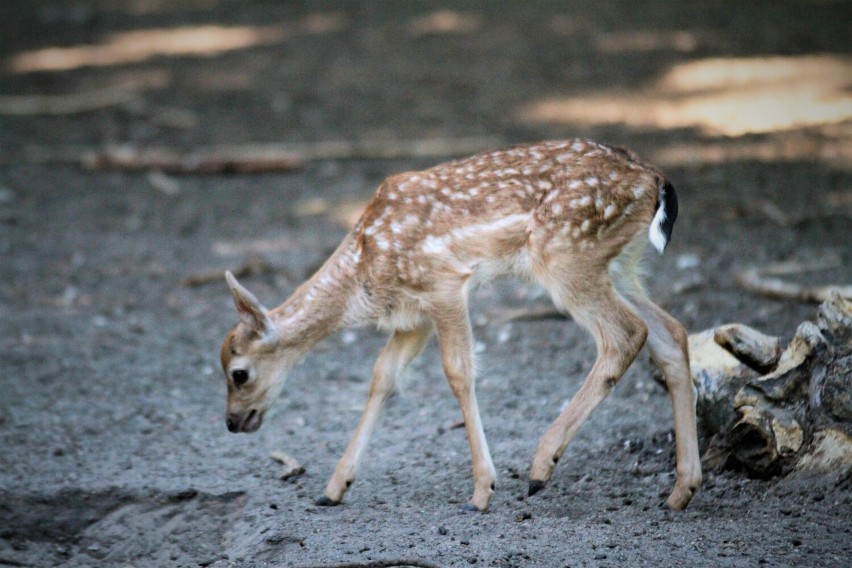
233,422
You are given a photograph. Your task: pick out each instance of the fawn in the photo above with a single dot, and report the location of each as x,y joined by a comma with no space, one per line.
574,216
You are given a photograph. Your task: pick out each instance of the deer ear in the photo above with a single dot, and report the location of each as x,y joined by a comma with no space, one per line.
251,311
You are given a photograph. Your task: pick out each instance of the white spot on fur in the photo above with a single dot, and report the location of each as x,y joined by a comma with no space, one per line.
381,242
434,245
585,226
592,181
575,184
610,211
557,209
580,202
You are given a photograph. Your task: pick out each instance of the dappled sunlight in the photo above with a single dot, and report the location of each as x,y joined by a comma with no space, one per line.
142,45
623,42
749,73
720,96
833,149
137,46
445,22
150,7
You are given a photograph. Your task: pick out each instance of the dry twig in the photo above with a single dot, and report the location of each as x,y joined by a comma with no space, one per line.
254,158
75,103
255,266
753,280
292,468
216,160
787,219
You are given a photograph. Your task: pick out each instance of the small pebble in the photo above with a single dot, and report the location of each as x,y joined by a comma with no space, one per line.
6,195
686,261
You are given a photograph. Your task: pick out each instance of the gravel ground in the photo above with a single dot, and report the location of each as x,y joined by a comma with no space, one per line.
114,447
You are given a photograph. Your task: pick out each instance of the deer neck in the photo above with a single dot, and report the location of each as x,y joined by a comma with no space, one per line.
321,306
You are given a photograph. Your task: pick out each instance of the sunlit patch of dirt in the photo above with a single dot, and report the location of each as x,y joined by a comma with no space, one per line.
445,22
727,96
141,45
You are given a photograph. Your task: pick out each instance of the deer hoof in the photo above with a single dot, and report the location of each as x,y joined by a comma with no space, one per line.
326,502
470,508
536,485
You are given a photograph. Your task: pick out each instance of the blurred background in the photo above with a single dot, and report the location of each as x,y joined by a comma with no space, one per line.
148,145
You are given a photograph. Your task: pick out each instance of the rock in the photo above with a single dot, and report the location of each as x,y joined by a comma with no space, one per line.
7,196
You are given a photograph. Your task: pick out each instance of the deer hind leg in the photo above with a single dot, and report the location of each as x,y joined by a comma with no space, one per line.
668,344
619,335
400,350
455,340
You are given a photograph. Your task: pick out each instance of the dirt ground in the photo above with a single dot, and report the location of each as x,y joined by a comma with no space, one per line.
114,446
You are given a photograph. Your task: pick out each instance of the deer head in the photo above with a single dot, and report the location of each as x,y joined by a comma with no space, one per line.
255,361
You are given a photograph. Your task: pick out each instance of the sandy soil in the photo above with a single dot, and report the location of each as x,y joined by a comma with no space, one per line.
114,447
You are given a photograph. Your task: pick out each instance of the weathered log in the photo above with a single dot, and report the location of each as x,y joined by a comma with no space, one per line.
772,412
755,349
717,375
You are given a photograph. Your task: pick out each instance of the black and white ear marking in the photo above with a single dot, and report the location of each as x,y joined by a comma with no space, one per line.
251,311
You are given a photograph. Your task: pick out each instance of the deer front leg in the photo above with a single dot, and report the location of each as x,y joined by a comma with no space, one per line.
400,350
455,341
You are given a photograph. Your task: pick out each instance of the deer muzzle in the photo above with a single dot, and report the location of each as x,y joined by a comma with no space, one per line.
245,422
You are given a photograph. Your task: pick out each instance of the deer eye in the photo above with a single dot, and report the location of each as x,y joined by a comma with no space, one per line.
240,377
